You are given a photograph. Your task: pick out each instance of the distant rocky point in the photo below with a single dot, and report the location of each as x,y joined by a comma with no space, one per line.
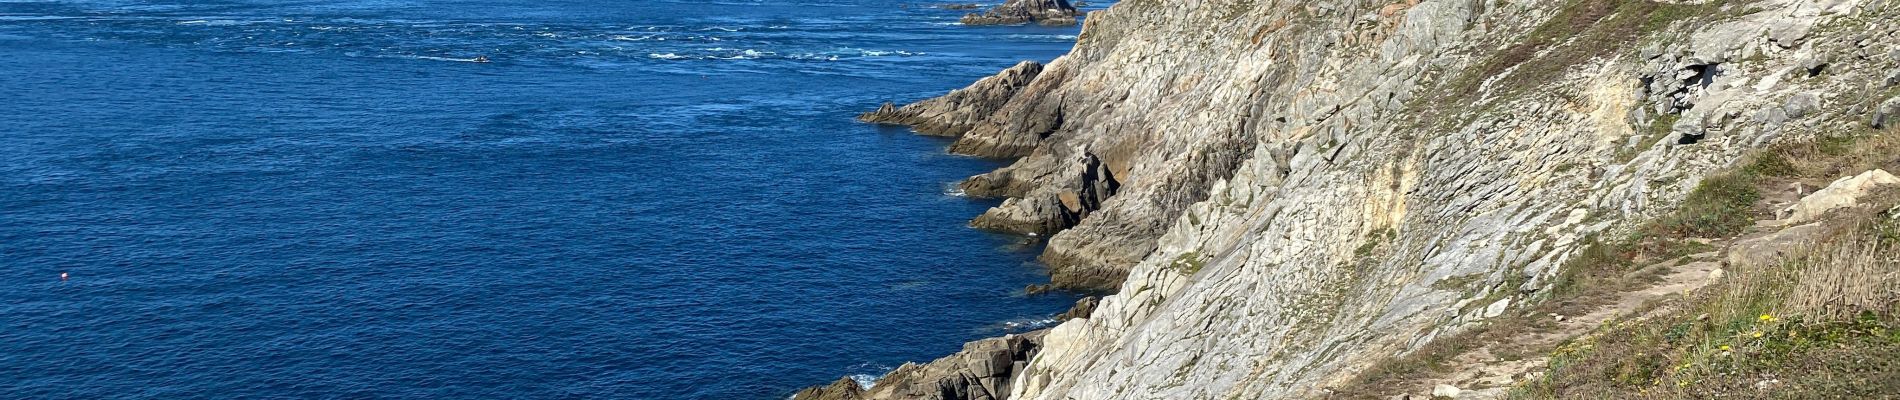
1044,12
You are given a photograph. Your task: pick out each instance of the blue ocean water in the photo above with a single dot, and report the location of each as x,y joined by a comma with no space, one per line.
635,199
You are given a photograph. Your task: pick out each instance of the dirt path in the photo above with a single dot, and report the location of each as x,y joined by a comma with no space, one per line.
1484,374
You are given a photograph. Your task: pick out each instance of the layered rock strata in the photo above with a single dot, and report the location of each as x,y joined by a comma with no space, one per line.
1282,192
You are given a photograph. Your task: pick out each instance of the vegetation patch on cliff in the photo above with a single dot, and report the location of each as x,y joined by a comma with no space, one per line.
1791,330
1722,205
1820,325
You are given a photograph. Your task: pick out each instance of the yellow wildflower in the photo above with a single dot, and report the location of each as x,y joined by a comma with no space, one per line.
1756,334
1724,347
1767,318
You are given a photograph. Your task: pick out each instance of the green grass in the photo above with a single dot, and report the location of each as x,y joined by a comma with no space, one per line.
1781,331
1658,130
1189,262
1722,205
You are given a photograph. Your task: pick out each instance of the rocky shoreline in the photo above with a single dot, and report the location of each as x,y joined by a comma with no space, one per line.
1282,194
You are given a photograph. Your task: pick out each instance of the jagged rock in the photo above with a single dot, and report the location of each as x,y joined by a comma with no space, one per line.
1082,309
842,389
1044,12
955,113
1843,193
1815,65
981,371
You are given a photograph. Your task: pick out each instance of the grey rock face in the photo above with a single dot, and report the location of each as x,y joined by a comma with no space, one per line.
1044,12
1276,189
957,112
1801,105
1887,114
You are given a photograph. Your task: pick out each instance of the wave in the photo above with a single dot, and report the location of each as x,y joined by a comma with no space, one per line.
865,381
1022,325
1042,37
727,53
433,58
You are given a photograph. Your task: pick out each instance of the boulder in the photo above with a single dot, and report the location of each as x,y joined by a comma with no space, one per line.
1801,105
1843,193
1446,391
1887,114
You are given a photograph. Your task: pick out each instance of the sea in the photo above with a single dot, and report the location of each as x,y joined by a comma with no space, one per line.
493,199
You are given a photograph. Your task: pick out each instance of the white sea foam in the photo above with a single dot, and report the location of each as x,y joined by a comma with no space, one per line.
666,56
445,59
1055,37
1028,324
865,381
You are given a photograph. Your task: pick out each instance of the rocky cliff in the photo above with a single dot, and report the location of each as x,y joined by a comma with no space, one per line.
1283,193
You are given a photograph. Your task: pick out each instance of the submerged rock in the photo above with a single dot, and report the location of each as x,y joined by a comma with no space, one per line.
1044,12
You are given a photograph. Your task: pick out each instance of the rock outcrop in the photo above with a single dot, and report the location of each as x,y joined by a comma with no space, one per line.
961,110
1012,12
1843,193
842,389
982,371
1281,192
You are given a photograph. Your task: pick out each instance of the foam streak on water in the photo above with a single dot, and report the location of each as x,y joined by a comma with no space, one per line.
632,199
